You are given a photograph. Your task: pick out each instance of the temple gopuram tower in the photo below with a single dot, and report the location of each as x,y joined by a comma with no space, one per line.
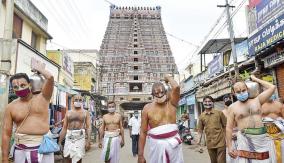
134,54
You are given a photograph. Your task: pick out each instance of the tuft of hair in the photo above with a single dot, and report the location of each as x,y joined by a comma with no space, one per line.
158,84
20,76
208,97
110,102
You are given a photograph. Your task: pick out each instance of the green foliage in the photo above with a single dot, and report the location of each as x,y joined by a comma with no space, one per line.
245,75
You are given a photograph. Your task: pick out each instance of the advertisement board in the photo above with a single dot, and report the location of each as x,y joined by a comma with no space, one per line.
268,35
266,9
215,66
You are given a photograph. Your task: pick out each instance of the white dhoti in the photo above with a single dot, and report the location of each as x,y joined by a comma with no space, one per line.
229,159
75,145
111,147
164,145
255,145
26,149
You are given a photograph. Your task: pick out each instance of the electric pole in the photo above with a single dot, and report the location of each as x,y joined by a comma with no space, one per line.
232,37
5,65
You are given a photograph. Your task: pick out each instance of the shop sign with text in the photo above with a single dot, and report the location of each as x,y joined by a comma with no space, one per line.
274,59
267,36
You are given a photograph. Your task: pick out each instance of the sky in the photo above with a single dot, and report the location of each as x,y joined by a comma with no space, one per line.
81,24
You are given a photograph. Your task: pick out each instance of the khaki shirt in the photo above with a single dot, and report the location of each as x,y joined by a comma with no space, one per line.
214,123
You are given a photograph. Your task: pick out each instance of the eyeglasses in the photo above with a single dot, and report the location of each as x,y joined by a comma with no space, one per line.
78,100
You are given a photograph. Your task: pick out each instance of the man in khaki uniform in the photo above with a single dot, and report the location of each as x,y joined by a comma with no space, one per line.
214,123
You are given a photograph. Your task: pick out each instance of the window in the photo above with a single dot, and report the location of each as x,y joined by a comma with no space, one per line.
135,40
135,77
149,98
135,35
135,45
135,59
121,98
33,40
135,67
135,52
17,26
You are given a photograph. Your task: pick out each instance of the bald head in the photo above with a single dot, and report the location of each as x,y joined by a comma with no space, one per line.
158,89
240,87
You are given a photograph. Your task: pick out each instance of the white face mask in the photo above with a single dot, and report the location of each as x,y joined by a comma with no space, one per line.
111,110
77,104
161,99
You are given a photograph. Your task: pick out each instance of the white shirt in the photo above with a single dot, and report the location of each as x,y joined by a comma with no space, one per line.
135,124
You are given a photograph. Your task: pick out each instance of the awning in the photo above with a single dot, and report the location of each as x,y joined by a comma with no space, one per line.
219,45
64,89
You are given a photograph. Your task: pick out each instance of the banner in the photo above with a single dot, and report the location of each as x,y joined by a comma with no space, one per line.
266,9
241,52
215,66
267,36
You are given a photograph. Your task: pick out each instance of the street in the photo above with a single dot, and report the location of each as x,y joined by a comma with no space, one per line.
189,152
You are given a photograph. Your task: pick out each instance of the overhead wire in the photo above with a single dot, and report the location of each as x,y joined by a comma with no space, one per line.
220,29
60,24
64,16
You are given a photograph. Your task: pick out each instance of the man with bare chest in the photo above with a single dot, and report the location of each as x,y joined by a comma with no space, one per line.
252,143
77,125
160,115
272,114
30,114
272,108
112,133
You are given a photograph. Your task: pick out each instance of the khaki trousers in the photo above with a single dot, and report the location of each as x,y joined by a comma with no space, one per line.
217,155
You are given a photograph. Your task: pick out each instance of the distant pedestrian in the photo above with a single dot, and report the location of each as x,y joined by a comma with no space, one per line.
134,130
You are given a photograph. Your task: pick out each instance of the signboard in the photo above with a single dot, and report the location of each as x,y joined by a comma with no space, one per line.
266,9
273,59
241,52
68,64
25,56
253,3
190,100
182,101
215,66
267,36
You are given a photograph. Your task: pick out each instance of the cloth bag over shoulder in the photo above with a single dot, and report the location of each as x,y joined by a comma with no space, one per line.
48,145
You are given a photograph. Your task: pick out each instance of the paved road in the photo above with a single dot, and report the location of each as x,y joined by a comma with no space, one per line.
189,152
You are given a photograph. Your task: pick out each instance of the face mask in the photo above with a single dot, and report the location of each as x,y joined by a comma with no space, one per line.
208,105
161,99
23,93
77,104
273,97
228,103
242,96
111,110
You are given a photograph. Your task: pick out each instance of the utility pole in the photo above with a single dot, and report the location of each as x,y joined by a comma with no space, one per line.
5,65
232,36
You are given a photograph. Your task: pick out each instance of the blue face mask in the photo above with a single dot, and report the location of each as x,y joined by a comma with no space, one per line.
273,97
242,96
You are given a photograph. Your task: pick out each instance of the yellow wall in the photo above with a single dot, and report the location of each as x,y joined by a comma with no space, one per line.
42,45
84,82
55,56
27,33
